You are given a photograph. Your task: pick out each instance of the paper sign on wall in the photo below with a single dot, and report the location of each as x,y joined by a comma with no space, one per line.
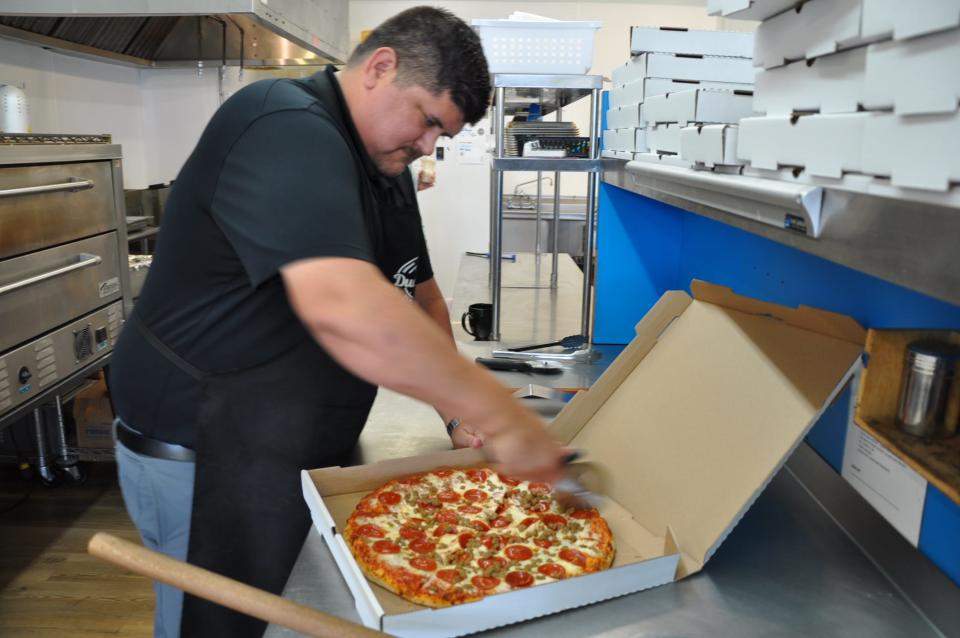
894,489
471,145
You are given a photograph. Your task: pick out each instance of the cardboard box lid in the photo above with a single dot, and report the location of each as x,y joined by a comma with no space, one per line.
704,406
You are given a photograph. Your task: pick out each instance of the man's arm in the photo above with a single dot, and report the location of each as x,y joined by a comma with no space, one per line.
367,326
429,297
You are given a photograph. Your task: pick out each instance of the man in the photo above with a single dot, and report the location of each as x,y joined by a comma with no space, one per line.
270,313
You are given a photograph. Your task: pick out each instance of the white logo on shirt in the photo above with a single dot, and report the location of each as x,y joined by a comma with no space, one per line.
406,277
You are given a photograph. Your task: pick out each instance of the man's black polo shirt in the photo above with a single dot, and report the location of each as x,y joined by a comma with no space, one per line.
272,180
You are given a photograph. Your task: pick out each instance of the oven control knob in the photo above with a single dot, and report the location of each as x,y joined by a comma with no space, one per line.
24,375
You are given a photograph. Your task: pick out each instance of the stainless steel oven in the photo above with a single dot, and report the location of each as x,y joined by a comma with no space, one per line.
63,268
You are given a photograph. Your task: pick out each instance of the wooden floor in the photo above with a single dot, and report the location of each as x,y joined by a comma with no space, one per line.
49,585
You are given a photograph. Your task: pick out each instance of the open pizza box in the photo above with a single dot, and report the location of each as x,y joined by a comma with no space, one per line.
691,422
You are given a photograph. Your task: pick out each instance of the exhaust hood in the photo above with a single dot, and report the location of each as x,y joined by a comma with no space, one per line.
172,33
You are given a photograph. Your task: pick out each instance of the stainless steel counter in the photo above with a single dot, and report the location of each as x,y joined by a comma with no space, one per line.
790,568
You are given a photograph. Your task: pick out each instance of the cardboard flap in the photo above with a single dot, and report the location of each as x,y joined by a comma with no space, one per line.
815,319
699,416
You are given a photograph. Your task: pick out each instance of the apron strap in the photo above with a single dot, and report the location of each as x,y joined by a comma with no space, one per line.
168,354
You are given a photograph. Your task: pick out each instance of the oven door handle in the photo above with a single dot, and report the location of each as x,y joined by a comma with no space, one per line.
75,184
86,260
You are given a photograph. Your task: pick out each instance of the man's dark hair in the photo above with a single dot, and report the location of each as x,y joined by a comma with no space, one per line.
438,51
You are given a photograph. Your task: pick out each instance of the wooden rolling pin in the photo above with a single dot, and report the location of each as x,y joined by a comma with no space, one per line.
224,591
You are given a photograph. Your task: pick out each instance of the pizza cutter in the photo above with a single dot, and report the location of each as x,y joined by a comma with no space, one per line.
582,484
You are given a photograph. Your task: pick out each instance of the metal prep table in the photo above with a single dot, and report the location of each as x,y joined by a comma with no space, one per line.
796,565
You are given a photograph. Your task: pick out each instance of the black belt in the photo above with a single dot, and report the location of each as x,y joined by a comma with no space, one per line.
136,442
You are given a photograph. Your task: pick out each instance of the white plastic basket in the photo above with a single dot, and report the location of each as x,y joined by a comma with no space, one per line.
528,46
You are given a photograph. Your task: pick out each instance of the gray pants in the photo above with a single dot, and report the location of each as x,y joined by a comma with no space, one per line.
158,495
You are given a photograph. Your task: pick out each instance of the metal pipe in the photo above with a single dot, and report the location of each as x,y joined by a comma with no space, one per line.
555,264
496,248
43,460
536,247
66,461
592,177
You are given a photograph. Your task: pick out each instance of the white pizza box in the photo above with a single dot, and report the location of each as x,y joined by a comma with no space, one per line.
829,84
664,159
629,115
621,139
638,91
735,44
883,19
664,138
826,145
914,76
622,155
914,151
713,106
640,140
691,422
749,9
860,183
710,145
683,67
816,28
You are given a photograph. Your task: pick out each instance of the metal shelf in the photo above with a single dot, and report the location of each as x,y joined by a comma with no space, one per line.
907,243
550,91
566,164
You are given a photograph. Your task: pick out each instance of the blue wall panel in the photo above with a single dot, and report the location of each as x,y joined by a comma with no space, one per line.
646,248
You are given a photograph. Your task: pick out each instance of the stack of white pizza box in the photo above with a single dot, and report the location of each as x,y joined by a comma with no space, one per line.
675,78
856,94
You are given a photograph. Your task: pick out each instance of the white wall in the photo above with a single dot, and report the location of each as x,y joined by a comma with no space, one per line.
72,95
456,211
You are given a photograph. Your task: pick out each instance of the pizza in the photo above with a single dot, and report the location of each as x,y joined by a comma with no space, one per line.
452,536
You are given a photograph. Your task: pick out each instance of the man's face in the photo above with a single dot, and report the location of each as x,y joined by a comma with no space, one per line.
404,122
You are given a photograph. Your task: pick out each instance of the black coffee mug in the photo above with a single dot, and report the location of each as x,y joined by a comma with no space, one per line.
478,321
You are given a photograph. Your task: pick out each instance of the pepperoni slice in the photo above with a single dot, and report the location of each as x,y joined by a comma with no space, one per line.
389,498
519,579
370,531
411,534
552,570
424,563
469,509
506,480
443,473
542,506
542,542
500,522
485,582
448,516
584,514
464,539
386,547
412,581
480,526
518,552
477,476
444,529
574,556
527,522
450,575
448,496
416,479
475,496
491,561
429,505
422,546
491,542
540,488
553,521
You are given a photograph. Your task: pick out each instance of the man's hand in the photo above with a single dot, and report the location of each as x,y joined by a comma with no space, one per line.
465,436
525,450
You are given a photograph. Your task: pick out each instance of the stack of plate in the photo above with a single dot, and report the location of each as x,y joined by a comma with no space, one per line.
535,129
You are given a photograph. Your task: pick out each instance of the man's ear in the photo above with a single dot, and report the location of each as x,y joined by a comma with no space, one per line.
380,66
